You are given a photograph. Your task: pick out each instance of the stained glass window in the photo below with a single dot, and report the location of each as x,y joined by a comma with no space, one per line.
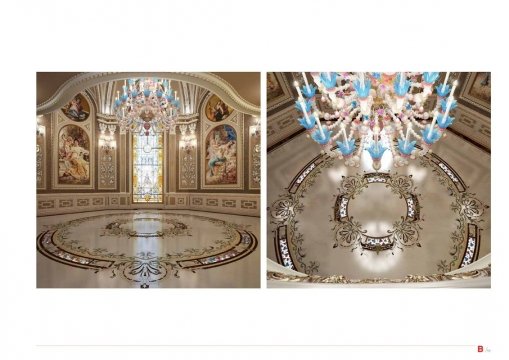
147,168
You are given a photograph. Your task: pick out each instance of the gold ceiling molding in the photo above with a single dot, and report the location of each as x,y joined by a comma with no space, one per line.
208,81
340,279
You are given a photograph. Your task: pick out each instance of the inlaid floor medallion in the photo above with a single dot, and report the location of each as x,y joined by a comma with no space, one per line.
334,220
145,247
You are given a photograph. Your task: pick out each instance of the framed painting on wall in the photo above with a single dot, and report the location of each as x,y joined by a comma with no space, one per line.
477,90
73,156
278,90
73,159
222,158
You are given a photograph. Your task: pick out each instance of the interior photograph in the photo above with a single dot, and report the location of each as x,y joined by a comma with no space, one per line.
378,179
148,180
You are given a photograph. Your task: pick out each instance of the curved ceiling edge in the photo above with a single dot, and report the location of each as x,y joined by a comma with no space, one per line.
208,81
479,268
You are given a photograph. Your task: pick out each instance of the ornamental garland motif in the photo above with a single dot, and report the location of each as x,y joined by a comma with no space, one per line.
107,172
256,169
284,210
39,165
349,233
469,211
188,168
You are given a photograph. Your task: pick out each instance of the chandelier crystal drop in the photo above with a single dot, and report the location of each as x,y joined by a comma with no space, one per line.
146,106
375,112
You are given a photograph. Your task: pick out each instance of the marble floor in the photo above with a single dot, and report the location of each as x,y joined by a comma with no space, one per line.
148,249
327,219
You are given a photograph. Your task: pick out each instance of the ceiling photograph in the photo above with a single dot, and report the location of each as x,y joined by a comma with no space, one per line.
378,179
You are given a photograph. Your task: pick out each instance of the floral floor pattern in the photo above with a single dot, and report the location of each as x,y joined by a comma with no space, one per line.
145,247
439,218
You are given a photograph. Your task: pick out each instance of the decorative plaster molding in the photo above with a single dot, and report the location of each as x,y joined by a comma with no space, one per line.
209,81
473,125
340,279
282,125
188,171
254,158
66,203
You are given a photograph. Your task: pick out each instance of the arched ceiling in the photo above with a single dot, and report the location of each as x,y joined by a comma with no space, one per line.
240,90
247,84
49,82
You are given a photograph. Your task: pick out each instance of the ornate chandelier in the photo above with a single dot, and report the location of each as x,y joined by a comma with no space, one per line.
375,112
146,106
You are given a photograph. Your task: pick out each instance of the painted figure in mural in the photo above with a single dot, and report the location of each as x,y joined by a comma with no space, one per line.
75,110
230,133
78,165
220,111
272,85
217,110
486,80
73,156
222,156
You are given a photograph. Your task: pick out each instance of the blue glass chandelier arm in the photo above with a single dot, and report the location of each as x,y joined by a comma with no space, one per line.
308,94
443,105
376,75
376,150
443,91
444,123
307,125
362,92
401,89
430,135
328,83
321,139
430,77
346,147
406,148
307,105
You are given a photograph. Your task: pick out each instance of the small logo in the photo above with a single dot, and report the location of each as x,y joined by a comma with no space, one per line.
480,348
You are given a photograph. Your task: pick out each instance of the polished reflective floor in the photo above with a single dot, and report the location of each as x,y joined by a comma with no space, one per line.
429,217
148,249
